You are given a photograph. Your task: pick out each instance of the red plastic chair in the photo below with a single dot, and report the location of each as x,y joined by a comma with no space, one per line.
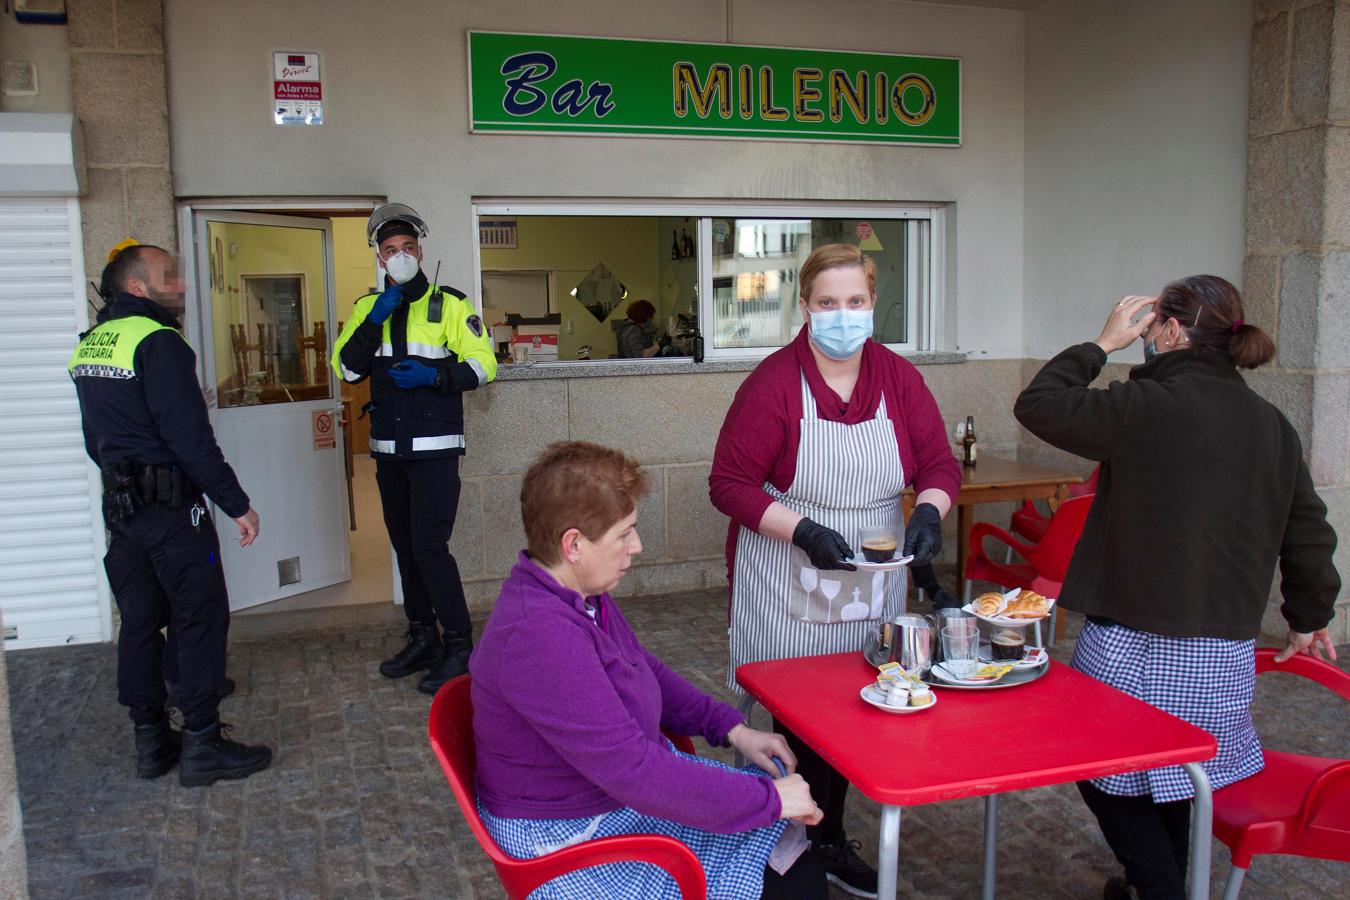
1028,522
451,731
1298,805
1047,561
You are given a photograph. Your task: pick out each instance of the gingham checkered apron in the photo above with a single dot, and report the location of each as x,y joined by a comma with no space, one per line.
1207,682
732,863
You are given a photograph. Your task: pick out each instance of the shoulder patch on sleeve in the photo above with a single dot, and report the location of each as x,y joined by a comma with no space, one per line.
475,325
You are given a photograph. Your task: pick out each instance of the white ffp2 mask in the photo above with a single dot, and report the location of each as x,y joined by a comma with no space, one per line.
402,267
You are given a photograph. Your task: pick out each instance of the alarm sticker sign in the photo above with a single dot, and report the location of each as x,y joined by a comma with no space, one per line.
297,89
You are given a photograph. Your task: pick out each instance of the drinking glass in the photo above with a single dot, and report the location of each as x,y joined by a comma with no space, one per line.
961,649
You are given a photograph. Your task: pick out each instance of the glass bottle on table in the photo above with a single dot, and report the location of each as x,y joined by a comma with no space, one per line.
969,448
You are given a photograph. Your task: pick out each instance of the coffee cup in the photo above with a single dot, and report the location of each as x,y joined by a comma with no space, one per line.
1008,644
878,544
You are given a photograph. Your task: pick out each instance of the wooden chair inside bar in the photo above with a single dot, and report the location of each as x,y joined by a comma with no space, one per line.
318,344
264,348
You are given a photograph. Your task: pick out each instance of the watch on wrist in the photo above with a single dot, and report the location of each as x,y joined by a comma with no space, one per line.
440,380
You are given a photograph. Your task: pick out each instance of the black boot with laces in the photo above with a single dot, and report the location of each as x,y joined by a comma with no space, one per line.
157,748
209,756
423,651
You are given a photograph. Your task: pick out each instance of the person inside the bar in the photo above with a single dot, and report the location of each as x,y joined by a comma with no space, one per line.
818,444
569,709
1202,491
636,335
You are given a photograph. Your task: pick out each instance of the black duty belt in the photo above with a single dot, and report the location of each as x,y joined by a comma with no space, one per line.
131,486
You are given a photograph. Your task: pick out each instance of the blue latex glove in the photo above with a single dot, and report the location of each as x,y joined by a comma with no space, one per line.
410,374
385,304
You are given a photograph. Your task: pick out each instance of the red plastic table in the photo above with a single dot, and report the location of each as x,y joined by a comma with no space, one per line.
1086,729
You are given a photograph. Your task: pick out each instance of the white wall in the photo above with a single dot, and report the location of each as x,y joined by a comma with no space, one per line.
1136,151
396,114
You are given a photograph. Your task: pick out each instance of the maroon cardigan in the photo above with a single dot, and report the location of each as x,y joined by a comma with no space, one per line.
759,437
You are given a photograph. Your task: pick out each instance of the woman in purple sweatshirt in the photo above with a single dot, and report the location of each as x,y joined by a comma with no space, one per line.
569,708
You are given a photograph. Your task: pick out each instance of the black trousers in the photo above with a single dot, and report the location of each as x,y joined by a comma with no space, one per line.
164,572
1151,840
420,498
828,788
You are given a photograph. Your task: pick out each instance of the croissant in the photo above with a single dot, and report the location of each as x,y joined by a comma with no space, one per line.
987,604
1027,605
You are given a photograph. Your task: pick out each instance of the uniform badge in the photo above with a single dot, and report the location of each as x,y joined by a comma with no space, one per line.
475,325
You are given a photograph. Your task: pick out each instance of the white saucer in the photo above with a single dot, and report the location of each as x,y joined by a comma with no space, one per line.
890,564
873,696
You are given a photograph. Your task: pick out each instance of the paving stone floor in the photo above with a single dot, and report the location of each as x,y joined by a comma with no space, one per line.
355,805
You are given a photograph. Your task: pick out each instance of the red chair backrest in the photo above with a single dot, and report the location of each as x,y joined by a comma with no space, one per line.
1087,487
1050,557
451,730
1324,673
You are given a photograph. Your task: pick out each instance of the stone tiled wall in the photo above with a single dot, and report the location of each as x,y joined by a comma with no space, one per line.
1297,271
670,423
121,100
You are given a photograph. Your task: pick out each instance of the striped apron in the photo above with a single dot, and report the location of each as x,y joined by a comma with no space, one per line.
848,477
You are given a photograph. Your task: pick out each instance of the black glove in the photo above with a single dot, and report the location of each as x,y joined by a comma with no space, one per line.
923,534
826,547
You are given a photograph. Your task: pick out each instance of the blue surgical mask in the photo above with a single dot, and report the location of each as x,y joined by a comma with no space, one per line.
1150,350
840,333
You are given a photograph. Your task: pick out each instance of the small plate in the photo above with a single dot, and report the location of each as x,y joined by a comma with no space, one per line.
873,696
1004,621
894,562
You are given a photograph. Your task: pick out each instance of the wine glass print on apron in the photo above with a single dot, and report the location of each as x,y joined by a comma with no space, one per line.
848,477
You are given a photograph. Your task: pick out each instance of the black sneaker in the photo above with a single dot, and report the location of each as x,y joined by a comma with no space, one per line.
847,869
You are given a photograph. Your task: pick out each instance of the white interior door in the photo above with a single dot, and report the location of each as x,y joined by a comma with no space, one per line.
267,318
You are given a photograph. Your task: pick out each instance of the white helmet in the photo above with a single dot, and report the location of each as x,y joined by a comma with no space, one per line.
394,212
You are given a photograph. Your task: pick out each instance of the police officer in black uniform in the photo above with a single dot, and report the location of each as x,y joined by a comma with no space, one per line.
422,345
146,427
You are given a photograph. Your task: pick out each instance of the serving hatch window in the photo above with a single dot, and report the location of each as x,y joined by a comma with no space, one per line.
574,281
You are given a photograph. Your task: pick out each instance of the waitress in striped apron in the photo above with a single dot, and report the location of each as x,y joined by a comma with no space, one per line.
819,443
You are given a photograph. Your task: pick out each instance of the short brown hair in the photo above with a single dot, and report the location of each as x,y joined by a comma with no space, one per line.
1209,309
640,311
835,256
576,484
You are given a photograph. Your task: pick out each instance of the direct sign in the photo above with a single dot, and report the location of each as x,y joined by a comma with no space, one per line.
549,84
297,89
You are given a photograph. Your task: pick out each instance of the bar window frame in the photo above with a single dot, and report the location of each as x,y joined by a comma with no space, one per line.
925,264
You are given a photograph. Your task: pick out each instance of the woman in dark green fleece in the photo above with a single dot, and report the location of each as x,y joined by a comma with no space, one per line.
1203,490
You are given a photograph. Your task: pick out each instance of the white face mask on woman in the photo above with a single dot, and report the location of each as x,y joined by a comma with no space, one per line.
402,267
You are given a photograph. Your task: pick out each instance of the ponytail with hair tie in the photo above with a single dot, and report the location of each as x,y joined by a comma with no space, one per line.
1237,325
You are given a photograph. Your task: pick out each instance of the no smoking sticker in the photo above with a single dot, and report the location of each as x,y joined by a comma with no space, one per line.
323,431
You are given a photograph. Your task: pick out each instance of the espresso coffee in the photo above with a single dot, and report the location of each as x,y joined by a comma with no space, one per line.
1008,645
879,550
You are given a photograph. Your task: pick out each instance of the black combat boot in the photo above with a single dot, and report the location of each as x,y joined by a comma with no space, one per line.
423,651
453,663
208,756
157,748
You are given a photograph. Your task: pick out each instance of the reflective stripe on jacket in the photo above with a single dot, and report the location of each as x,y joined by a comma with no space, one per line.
419,422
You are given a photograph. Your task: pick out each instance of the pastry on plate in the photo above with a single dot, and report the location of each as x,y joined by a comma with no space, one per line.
1027,605
987,604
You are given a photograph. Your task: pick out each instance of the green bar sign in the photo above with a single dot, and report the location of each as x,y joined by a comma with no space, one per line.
549,84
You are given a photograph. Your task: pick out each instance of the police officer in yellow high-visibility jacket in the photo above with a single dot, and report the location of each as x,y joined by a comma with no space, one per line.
422,346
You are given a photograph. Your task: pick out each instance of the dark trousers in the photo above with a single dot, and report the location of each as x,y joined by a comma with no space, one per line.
164,572
828,788
1151,840
420,497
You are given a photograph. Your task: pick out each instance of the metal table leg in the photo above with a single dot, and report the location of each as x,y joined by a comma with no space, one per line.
1202,831
888,853
990,846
